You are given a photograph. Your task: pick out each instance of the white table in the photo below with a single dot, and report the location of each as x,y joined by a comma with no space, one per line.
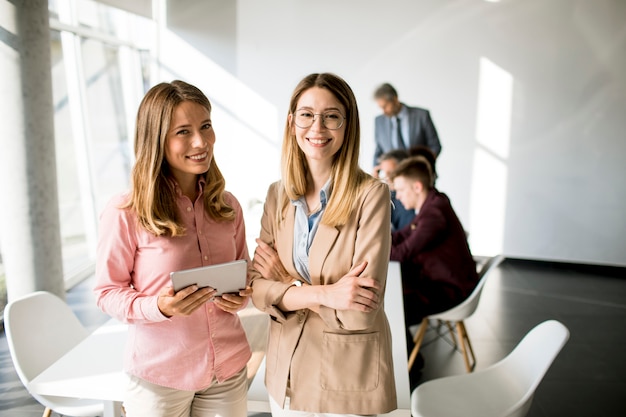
92,370
394,309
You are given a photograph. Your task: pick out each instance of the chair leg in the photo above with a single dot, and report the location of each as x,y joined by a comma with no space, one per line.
417,340
47,412
466,346
451,332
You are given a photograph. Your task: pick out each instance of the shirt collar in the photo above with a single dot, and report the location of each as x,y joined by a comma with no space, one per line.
201,183
403,113
324,196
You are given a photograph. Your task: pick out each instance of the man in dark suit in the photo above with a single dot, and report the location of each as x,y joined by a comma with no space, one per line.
401,126
438,270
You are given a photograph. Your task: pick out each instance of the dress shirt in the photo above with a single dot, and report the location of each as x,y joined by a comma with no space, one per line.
133,266
304,230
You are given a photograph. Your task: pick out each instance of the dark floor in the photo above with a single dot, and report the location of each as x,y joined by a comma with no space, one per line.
588,378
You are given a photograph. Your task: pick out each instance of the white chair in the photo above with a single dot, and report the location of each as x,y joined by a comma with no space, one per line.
457,315
40,328
505,389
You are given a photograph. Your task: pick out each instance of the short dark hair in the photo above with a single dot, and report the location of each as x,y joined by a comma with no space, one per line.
426,152
415,168
386,92
396,154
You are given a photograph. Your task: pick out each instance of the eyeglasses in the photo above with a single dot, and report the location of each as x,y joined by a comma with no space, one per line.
331,120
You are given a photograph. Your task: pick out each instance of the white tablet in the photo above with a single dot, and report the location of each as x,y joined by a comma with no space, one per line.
229,277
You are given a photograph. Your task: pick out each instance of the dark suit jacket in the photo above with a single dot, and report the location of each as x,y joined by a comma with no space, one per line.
438,270
421,132
400,217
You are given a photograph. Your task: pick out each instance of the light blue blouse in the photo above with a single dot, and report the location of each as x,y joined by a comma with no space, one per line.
304,230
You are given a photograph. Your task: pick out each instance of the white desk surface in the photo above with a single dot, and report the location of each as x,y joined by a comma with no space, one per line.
93,369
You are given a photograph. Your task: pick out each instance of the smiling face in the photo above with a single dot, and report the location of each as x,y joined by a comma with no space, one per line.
317,142
189,143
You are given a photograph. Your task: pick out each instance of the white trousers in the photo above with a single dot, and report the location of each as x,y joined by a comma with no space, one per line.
228,399
286,412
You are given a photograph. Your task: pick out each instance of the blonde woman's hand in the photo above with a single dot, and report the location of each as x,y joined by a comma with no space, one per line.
183,302
352,292
231,303
267,262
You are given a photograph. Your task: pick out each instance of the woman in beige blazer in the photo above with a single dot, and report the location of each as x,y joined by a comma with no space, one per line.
321,264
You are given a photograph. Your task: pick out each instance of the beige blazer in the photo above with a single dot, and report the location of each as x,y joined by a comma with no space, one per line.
338,361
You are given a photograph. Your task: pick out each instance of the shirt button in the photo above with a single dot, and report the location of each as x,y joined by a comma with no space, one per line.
188,208
206,257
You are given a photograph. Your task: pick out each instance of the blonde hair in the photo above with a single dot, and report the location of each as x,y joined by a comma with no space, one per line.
347,178
152,196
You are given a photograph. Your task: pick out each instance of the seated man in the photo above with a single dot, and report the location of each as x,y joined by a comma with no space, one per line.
438,270
387,163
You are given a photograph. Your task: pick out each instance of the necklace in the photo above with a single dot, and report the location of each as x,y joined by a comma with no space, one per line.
315,209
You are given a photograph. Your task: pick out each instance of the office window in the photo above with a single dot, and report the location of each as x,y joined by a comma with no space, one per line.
107,120
68,173
100,67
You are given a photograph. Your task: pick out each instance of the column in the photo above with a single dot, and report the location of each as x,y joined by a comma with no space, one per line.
30,234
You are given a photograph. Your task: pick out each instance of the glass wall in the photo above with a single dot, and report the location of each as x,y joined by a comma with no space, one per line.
100,61
100,66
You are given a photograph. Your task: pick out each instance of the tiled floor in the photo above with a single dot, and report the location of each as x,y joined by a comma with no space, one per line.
588,378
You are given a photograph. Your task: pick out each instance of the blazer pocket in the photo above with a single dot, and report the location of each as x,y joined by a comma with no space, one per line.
273,343
350,362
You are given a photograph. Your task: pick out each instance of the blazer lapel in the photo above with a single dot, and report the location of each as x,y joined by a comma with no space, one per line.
413,127
320,248
284,240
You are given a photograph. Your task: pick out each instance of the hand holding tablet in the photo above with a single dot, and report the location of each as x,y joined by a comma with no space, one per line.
228,277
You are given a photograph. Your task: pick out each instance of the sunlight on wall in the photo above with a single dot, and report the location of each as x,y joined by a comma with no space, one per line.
247,148
489,177
8,22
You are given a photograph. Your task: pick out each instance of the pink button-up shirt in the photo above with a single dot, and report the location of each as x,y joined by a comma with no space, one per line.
133,266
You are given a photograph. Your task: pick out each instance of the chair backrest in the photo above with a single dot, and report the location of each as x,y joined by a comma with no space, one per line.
529,362
490,265
505,389
469,305
40,328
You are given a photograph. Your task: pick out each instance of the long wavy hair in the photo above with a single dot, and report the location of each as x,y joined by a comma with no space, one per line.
152,195
346,176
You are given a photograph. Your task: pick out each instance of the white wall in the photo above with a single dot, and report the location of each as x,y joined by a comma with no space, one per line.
529,98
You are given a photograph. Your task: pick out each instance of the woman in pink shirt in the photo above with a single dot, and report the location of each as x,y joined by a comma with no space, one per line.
187,351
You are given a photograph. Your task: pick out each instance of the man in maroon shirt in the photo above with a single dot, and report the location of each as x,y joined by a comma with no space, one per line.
438,270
